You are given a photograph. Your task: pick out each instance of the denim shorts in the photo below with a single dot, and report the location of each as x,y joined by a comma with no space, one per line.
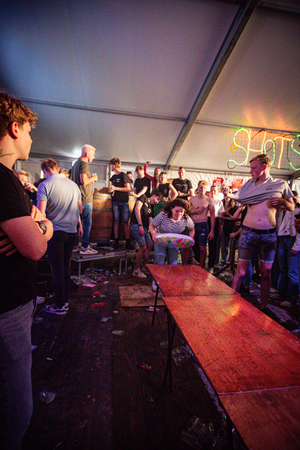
120,209
201,231
252,240
141,240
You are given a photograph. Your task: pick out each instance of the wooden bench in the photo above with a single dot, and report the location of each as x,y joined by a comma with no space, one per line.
186,280
103,253
252,362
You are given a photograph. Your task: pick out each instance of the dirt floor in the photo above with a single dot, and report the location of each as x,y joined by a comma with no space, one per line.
90,391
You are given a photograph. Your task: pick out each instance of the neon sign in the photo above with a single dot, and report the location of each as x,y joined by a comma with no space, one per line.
274,147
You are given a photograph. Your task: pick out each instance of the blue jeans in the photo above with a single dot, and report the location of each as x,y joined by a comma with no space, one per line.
289,269
86,220
141,240
161,251
59,251
15,375
120,209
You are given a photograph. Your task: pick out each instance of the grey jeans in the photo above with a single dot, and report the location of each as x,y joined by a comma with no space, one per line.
15,375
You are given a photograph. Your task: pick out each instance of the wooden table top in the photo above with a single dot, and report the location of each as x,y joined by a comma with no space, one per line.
267,419
187,280
239,347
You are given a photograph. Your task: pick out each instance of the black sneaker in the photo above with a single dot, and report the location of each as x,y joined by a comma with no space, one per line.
128,245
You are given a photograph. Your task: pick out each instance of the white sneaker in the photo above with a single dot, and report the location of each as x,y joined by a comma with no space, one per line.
154,286
272,290
138,273
274,295
88,251
287,304
39,300
77,248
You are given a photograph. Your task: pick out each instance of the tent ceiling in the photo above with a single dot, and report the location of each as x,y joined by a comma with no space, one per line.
123,75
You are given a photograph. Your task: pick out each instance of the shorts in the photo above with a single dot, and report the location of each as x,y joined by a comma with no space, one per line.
141,240
120,209
262,241
201,231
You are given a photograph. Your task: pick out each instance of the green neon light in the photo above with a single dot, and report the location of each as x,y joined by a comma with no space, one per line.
273,146
240,146
296,151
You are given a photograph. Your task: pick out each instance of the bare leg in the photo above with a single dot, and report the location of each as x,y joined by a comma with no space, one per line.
126,230
202,255
266,269
116,229
139,257
239,275
147,253
186,256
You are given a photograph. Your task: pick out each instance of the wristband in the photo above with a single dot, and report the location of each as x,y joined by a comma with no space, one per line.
140,224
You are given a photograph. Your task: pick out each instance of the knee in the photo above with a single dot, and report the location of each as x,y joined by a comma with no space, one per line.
241,272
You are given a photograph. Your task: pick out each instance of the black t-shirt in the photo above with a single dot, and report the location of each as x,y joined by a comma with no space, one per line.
164,189
17,273
145,210
182,186
140,183
119,180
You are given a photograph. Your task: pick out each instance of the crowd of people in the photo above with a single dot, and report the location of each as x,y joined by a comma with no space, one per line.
53,216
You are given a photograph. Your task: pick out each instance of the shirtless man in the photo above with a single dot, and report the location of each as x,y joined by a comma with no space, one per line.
263,195
201,204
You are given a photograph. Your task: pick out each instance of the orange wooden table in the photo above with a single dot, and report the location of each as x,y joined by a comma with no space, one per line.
251,361
267,419
186,280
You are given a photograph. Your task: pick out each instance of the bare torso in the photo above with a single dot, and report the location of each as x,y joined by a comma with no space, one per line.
261,216
200,207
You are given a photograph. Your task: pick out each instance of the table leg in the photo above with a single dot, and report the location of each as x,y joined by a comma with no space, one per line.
120,266
79,269
171,335
229,426
125,263
155,303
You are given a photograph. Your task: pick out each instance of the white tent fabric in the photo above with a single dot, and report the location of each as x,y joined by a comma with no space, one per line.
124,76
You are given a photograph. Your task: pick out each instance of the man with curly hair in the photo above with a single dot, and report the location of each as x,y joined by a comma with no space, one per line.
23,241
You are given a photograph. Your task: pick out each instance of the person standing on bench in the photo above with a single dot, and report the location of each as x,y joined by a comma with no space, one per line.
263,195
120,188
80,174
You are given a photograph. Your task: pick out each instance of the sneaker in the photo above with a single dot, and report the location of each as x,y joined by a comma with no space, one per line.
39,300
273,290
77,248
129,245
138,273
154,286
274,295
211,270
287,304
194,262
88,251
296,332
53,309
